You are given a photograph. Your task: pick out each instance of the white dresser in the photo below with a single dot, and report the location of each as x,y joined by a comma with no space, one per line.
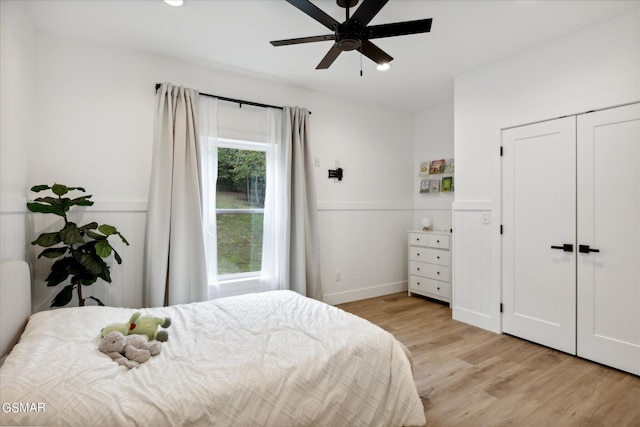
430,264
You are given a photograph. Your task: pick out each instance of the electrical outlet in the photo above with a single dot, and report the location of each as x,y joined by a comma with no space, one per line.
338,276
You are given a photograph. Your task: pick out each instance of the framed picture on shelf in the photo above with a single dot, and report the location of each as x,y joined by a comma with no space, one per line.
448,166
424,186
434,185
437,166
447,184
424,168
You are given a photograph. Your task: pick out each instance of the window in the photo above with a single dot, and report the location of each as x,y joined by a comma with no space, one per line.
239,208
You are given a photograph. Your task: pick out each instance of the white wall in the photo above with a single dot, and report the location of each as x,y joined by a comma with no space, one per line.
595,68
93,128
17,86
433,136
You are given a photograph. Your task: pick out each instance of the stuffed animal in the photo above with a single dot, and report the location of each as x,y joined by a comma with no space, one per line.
129,351
142,325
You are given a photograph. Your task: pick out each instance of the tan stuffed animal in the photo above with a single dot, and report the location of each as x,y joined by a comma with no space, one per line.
129,351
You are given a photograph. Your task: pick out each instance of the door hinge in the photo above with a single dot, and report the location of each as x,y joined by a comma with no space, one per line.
501,308
501,229
501,151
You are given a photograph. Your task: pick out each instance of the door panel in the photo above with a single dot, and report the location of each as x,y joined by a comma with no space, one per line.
539,211
609,221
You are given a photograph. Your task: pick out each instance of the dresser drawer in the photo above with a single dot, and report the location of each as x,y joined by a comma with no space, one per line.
434,256
430,287
418,239
434,271
439,241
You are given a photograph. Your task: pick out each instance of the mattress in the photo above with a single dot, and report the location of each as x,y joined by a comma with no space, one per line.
266,359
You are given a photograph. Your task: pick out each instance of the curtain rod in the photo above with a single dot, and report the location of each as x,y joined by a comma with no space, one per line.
237,101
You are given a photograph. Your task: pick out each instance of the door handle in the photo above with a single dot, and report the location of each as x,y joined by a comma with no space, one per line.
585,249
565,247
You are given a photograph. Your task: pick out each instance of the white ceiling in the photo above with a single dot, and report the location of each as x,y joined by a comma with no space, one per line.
235,34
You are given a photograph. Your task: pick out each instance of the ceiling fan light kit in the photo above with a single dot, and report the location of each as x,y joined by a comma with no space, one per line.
354,33
174,3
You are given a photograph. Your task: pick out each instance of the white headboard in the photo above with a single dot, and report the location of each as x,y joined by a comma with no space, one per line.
15,302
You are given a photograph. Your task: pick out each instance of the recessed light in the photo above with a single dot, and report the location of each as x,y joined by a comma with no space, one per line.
176,3
383,67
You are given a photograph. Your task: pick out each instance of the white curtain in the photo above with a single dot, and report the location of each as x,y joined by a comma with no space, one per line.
208,136
276,232
175,268
304,250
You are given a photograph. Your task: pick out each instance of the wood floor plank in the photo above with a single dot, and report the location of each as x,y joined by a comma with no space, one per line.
467,376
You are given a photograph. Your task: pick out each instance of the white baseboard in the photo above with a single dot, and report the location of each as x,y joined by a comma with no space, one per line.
481,320
365,293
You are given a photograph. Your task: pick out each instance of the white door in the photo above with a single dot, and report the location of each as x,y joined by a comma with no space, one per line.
539,212
609,222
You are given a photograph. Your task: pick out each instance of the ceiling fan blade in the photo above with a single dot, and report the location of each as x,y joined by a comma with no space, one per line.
399,28
367,10
329,58
316,13
374,53
303,40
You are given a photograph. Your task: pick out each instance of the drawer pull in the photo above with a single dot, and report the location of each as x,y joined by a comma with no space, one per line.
418,253
437,241
438,288
437,272
438,256
418,268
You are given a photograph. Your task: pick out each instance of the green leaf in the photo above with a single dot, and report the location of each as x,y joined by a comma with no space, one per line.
94,236
88,280
71,235
77,188
116,255
81,201
53,252
107,229
59,271
39,188
97,300
63,297
93,263
103,248
90,226
122,238
51,200
47,239
39,208
59,189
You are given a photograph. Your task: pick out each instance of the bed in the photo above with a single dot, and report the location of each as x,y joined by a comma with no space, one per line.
267,359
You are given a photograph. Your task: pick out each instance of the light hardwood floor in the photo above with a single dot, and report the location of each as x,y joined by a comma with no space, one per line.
467,376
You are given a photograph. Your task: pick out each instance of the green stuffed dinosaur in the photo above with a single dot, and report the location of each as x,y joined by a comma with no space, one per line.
142,325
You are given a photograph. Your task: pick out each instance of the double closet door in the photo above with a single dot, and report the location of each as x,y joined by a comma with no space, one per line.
571,235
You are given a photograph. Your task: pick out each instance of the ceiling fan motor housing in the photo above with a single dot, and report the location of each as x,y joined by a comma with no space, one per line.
349,37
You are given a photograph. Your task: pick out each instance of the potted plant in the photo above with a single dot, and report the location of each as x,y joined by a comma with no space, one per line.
82,248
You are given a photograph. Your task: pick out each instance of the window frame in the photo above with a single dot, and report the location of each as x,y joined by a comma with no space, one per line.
239,282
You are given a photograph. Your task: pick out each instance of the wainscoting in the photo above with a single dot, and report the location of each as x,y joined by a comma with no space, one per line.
364,243
476,285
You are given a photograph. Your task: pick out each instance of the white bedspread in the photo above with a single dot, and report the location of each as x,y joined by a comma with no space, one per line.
267,359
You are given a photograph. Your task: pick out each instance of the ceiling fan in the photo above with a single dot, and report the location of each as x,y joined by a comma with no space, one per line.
353,33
